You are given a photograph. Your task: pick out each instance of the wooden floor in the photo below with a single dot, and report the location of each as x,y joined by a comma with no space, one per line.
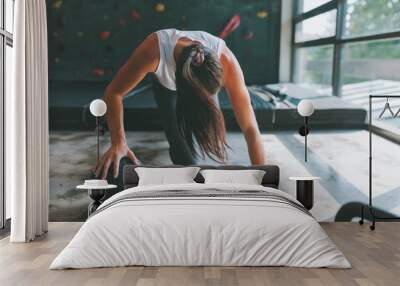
375,257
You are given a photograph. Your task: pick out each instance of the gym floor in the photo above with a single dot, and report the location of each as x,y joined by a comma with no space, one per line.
340,158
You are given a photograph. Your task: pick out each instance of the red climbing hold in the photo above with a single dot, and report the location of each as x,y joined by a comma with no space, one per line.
104,35
232,25
135,15
98,72
248,35
123,23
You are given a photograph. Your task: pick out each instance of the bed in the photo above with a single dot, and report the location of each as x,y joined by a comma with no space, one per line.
198,224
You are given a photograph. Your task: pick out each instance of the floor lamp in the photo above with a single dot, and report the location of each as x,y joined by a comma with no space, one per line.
98,108
305,108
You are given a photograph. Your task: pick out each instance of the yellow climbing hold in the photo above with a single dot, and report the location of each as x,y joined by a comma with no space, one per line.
57,4
262,14
159,8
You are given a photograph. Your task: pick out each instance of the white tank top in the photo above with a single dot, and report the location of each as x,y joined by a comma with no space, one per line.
167,40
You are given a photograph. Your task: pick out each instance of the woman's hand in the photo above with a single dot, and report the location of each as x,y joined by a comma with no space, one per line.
143,60
113,156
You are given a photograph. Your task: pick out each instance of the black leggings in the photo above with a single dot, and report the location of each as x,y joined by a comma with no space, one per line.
178,148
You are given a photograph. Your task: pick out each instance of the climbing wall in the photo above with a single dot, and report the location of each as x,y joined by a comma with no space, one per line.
89,40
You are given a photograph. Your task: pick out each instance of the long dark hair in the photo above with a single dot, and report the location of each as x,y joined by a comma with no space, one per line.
198,80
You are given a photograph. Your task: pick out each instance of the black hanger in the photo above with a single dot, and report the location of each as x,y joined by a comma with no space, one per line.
397,113
387,107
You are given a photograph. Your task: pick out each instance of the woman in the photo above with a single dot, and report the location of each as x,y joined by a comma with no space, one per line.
190,67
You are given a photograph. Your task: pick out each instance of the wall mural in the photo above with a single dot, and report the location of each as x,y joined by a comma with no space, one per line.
89,41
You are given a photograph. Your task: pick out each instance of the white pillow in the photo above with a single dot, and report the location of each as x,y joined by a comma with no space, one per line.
163,176
247,177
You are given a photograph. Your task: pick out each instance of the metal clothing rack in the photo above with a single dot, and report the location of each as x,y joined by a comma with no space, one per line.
370,207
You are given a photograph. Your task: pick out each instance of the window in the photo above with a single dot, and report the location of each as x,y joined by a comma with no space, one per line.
348,48
372,64
315,30
307,5
314,67
6,64
9,15
321,26
369,17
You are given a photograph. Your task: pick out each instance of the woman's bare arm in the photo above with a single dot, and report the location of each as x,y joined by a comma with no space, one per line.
143,60
241,103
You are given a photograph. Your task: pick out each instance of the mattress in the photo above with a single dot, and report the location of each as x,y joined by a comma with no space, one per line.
201,225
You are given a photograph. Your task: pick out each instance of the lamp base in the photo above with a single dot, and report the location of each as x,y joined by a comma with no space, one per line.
304,130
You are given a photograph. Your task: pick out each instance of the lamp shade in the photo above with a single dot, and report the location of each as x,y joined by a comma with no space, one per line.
305,108
98,107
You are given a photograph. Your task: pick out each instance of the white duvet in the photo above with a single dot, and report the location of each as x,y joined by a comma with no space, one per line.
200,231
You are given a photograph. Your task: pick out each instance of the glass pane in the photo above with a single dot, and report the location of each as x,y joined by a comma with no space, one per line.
368,17
314,68
307,5
9,15
8,88
372,68
1,15
1,134
321,26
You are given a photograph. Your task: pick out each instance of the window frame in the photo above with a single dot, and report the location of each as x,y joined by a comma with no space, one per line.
6,39
338,41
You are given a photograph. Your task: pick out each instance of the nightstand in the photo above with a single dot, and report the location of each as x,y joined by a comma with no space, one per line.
96,193
305,190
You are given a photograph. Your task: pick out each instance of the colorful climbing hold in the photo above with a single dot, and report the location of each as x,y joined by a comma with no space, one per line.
135,15
262,14
98,72
104,35
123,23
232,25
57,4
248,35
159,8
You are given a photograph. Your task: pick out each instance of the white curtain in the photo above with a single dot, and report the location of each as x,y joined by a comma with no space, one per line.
27,173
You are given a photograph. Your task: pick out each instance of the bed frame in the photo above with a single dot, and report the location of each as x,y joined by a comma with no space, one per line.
270,179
